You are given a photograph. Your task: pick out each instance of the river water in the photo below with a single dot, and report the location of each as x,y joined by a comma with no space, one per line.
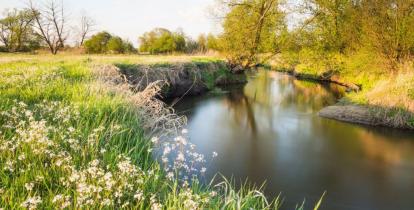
269,131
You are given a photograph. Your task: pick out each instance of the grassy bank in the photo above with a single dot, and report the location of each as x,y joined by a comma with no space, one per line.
73,135
388,93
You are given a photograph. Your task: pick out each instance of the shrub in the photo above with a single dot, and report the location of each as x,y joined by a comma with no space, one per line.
105,42
115,45
98,43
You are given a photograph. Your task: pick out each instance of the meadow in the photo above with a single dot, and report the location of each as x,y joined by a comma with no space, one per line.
74,136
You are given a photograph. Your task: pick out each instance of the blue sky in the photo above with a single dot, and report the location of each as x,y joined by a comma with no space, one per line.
131,18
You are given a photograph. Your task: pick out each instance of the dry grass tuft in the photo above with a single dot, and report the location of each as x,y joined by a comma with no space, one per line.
156,117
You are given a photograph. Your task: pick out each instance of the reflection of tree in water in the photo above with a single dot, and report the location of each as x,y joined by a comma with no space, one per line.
381,149
270,89
242,109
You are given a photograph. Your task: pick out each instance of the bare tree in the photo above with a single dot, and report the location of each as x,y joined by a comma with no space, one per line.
87,25
50,22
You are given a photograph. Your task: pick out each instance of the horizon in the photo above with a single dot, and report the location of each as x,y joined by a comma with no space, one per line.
189,15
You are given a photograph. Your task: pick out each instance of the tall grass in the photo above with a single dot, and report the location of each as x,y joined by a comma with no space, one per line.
68,141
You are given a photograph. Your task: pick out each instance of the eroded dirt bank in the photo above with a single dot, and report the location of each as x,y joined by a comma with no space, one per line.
182,79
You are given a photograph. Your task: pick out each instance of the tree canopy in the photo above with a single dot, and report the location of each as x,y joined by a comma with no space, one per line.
250,27
105,42
16,32
161,40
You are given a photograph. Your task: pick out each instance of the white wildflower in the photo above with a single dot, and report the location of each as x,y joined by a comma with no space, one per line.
154,140
167,150
21,157
170,175
138,195
213,193
29,186
31,202
180,157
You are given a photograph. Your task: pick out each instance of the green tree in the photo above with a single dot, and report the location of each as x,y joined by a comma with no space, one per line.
212,42
334,24
162,40
388,28
98,43
129,47
202,43
249,28
16,32
115,45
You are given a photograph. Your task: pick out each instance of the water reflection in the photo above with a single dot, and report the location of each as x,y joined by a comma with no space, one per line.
269,131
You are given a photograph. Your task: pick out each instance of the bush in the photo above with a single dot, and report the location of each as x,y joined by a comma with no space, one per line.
104,42
98,43
115,45
162,40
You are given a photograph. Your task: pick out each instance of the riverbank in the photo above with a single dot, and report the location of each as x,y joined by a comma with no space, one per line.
75,135
374,97
191,78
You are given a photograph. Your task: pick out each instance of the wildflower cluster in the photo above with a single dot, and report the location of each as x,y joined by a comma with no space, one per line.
42,152
179,157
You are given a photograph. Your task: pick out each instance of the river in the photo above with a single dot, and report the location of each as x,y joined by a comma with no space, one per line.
269,131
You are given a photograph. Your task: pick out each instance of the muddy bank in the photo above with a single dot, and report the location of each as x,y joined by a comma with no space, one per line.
182,79
366,115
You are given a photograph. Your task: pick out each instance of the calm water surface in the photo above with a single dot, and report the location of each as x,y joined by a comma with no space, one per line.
269,131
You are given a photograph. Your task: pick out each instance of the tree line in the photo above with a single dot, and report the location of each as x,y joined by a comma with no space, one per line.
45,24
252,31
382,28
41,24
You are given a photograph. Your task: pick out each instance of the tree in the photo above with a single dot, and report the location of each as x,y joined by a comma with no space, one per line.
50,24
105,42
212,42
86,26
161,40
115,45
334,24
202,43
129,47
388,28
382,26
249,28
16,31
98,43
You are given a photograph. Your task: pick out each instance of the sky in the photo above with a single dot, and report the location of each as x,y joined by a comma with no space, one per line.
131,18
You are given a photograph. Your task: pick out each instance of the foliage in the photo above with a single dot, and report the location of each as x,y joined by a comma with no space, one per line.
105,42
115,45
346,27
249,28
212,42
98,42
162,40
16,32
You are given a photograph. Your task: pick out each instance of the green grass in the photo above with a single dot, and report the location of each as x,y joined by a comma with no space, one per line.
387,92
67,141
